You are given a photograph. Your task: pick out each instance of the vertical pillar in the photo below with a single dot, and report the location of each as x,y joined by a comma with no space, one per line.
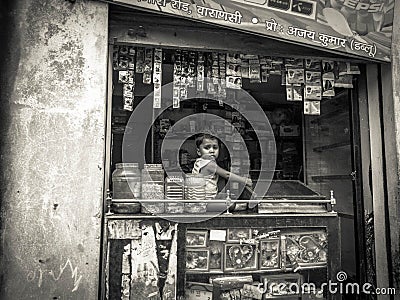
53,92
394,196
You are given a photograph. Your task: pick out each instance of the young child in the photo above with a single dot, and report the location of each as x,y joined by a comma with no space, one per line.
208,150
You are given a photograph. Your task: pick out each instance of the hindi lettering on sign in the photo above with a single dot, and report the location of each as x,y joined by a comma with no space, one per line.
271,25
201,10
311,34
303,33
324,38
212,13
180,5
367,48
223,15
235,17
155,2
337,41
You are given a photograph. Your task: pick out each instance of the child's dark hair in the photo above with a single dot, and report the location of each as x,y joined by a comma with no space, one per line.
202,136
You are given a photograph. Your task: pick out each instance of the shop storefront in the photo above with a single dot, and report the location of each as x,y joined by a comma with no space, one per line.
104,102
310,215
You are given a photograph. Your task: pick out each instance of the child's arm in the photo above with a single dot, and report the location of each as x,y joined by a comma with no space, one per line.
213,167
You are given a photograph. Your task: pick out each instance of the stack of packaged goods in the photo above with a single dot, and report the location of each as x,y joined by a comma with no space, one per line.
153,188
174,190
195,189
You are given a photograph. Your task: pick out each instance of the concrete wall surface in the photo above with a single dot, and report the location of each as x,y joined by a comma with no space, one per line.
52,125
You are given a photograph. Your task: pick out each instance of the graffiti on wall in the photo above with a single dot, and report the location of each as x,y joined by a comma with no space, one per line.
40,275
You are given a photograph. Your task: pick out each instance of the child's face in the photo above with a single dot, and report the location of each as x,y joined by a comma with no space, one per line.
209,147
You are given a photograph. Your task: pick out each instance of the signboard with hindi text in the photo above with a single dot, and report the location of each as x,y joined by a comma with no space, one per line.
358,27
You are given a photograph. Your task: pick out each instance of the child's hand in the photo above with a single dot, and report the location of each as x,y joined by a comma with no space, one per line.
249,183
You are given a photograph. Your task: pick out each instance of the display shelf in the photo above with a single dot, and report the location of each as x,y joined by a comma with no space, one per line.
331,146
221,216
318,178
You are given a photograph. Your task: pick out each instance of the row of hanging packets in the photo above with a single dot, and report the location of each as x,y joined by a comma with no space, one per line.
127,78
320,82
293,78
123,57
124,62
221,92
254,70
200,72
157,78
176,80
212,72
233,71
313,87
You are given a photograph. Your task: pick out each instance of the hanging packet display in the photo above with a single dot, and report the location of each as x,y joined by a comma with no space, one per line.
177,80
265,72
183,92
200,72
254,70
157,78
148,65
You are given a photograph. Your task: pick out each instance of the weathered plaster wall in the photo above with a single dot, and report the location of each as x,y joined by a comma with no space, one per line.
53,91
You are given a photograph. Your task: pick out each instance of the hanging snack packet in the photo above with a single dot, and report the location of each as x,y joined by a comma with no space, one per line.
328,85
233,58
297,92
313,78
289,93
328,66
265,72
140,60
312,64
295,76
312,92
294,63
312,107
128,90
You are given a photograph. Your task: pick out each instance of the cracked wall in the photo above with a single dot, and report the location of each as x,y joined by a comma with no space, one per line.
53,92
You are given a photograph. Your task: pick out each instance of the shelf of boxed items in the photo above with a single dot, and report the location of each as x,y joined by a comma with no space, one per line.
241,257
304,229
